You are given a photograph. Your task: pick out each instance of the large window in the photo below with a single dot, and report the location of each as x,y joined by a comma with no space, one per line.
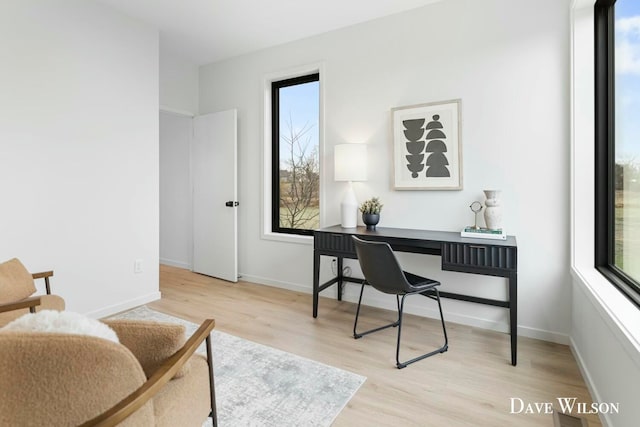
295,183
617,54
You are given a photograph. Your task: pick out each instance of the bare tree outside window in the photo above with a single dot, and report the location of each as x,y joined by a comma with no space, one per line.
299,179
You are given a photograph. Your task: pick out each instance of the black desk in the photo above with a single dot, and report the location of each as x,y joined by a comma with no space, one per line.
465,255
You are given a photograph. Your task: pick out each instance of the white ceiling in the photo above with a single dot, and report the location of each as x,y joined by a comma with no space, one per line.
205,31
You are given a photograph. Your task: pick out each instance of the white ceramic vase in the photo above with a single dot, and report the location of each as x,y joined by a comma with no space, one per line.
493,210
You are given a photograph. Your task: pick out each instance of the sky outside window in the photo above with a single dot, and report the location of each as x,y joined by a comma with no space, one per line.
627,80
299,108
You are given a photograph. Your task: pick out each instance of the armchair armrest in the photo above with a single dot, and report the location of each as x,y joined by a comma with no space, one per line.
31,303
44,275
162,376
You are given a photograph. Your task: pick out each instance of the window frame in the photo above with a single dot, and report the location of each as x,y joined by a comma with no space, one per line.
275,86
604,44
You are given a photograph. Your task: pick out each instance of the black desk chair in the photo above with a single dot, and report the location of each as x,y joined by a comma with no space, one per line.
382,271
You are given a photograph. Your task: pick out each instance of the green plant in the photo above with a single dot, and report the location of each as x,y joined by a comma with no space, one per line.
371,206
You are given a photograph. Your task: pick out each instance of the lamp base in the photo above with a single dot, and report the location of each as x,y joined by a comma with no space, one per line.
349,209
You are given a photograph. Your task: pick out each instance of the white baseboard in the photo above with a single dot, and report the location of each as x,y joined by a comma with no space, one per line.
275,283
604,417
122,306
380,301
543,335
175,263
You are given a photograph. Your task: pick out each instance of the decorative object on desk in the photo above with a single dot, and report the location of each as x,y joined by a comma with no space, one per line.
493,210
371,212
427,149
484,233
350,165
475,208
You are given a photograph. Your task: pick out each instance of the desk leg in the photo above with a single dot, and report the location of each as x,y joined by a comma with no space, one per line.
316,281
340,264
513,316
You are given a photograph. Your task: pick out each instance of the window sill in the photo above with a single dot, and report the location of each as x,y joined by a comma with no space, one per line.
620,314
288,238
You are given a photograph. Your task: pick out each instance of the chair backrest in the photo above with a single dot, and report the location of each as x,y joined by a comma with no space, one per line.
16,282
380,266
63,379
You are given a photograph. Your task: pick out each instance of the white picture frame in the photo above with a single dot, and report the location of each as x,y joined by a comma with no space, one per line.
427,146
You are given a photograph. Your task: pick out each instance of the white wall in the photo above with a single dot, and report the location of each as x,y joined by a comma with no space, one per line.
178,83
79,150
178,104
176,217
509,63
605,330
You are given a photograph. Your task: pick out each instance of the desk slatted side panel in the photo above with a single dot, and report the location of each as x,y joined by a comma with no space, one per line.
481,256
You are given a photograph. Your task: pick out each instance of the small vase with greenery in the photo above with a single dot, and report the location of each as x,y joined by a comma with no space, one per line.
371,212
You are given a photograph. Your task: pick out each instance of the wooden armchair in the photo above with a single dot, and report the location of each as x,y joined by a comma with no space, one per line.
17,289
151,378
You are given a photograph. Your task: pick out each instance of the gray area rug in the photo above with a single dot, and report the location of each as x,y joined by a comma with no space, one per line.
258,385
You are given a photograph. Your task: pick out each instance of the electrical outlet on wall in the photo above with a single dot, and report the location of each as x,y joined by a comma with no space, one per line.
137,266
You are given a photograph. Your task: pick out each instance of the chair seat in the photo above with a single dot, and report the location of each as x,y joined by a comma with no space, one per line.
419,283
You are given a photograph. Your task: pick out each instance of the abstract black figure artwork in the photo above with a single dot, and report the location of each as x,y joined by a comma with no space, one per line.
427,150
437,161
414,131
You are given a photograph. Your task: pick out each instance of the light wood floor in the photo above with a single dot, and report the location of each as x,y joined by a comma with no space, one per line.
470,385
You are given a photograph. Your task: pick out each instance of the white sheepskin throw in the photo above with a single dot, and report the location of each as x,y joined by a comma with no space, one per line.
65,322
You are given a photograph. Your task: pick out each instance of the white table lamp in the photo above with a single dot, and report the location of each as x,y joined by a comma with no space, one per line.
350,165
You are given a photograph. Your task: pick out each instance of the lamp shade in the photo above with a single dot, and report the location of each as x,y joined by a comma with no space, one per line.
350,162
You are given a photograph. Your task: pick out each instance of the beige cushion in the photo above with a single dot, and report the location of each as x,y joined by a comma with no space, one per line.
151,342
50,302
62,380
16,282
52,379
187,401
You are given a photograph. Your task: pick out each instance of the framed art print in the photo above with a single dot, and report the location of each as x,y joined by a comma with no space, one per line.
427,149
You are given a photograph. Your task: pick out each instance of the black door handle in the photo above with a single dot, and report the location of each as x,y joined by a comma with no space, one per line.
231,204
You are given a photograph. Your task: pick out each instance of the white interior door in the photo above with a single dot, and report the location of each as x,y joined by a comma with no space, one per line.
214,169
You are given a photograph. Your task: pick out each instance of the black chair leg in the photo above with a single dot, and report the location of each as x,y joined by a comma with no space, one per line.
442,349
444,328
356,334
